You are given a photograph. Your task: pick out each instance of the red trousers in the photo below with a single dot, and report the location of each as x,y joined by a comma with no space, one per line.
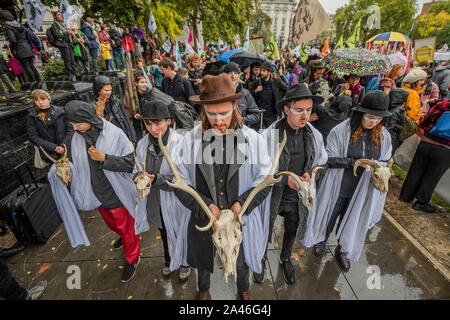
121,222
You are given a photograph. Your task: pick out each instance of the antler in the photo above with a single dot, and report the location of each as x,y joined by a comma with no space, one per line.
65,154
144,162
181,185
314,172
269,179
136,162
51,159
390,162
373,165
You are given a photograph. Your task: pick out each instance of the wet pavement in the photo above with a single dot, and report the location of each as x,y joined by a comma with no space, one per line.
404,272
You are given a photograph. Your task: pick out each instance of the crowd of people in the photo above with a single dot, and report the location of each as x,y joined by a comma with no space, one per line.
239,120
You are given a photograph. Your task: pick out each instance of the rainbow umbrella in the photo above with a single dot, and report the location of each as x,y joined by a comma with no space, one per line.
388,37
357,61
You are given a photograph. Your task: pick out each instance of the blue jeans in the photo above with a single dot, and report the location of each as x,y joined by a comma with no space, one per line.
116,53
94,55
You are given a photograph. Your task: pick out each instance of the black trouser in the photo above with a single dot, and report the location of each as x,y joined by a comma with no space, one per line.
82,66
429,164
164,240
30,69
138,127
21,78
291,221
338,212
9,288
242,270
69,59
268,120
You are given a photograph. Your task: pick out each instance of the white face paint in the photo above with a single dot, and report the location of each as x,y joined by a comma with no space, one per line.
219,116
373,120
297,111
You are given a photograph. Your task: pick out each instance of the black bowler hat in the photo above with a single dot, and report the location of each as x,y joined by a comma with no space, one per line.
267,65
298,92
155,110
231,67
375,103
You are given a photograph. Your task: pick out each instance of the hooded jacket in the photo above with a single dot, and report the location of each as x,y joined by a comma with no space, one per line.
397,99
441,77
17,36
247,106
87,30
115,109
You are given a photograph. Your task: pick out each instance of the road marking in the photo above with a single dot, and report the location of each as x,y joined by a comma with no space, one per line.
445,272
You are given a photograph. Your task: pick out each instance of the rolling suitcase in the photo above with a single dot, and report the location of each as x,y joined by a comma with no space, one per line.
30,210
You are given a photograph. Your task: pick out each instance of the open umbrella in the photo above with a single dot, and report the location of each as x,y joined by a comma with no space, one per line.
138,33
247,58
227,54
398,58
357,61
213,68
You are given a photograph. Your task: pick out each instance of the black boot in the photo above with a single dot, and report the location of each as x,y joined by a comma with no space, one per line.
259,277
288,271
319,248
425,207
15,249
344,263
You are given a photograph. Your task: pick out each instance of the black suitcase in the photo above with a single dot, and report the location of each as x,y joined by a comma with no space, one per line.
30,210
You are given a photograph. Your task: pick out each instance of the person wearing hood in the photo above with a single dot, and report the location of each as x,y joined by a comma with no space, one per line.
352,198
397,100
143,94
20,47
60,36
247,105
413,82
442,78
331,114
298,75
101,158
111,108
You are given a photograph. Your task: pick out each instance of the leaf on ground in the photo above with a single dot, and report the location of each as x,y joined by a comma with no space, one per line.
336,289
431,247
302,253
303,266
53,249
29,272
155,281
44,268
130,297
382,286
445,225
275,229
110,250
112,242
120,267
276,244
428,239
295,256
105,266
157,238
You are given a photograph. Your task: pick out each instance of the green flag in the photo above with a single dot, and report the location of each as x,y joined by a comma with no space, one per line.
354,38
340,42
303,52
273,49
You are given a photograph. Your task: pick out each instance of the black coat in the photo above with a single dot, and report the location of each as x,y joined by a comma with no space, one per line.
4,69
283,165
179,88
58,37
278,90
39,134
17,36
248,107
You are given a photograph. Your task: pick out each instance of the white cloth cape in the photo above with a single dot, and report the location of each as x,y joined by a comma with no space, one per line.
366,206
251,173
176,216
112,141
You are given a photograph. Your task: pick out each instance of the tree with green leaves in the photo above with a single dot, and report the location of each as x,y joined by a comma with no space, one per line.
396,16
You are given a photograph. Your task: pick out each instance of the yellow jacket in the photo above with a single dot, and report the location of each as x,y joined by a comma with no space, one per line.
105,47
413,103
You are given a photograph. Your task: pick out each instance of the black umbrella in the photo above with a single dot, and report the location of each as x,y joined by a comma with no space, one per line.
248,58
213,68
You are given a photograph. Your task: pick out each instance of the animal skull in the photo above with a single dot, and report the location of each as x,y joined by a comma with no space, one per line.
144,183
227,238
380,174
227,234
63,171
307,191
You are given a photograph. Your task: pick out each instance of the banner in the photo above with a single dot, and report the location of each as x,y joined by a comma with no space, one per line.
303,52
352,41
152,23
35,12
178,55
310,20
424,49
189,49
199,48
340,42
167,45
191,36
296,51
273,49
69,14
256,44
247,39
326,48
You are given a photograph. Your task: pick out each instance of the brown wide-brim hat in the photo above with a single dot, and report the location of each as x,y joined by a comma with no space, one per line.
216,89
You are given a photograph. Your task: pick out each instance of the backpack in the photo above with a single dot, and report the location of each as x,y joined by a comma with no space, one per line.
442,127
408,127
33,39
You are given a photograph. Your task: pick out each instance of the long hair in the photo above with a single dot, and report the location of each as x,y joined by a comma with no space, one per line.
236,122
393,73
357,130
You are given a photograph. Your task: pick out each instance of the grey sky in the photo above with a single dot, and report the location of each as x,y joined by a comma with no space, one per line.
330,6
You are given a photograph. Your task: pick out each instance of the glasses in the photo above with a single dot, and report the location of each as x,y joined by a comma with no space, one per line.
154,125
107,91
372,119
76,125
303,111
219,116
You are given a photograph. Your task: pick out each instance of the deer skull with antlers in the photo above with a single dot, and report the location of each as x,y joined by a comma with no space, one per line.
144,183
63,171
307,191
227,233
380,174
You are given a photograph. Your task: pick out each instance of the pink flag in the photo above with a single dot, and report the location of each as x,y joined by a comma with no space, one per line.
191,36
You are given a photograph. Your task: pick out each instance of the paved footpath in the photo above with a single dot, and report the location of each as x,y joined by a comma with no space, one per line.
405,273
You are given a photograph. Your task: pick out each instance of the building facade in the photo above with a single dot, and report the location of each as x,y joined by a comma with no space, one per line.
281,12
